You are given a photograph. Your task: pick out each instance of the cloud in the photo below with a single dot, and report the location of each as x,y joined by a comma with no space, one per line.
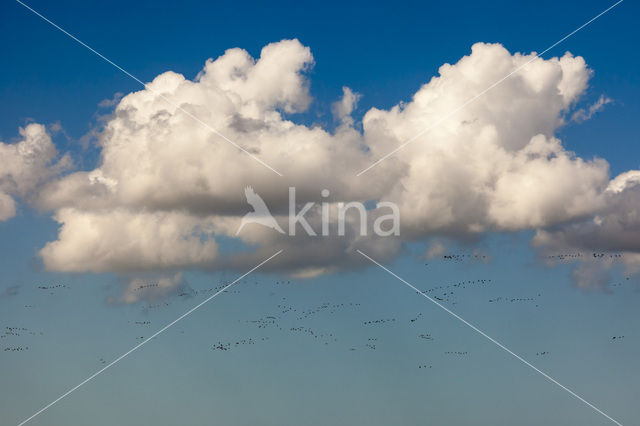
585,114
609,237
151,288
167,187
436,249
343,108
12,290
495,165
589,276
109,103
25,165
125,241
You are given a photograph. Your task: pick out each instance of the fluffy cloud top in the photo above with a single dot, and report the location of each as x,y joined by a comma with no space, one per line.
166,186
25,165
495,165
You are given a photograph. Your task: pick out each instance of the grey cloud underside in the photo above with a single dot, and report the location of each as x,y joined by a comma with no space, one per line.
609,238
166,186
615,228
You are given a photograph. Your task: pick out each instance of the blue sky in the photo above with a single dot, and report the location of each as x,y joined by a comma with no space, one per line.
348,371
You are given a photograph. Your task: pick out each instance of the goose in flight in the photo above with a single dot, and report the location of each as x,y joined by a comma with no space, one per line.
260,213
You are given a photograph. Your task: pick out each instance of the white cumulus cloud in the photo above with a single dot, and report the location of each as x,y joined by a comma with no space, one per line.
166,186
25,165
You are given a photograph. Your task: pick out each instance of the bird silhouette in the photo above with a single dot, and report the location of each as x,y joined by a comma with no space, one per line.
260,213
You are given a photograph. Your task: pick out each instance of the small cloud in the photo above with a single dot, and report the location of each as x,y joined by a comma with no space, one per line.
56,128
151,288
343,108
584,114
108,103
436,249
591,276
11,291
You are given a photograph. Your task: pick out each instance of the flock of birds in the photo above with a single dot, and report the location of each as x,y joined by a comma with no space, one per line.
459,257
292,319
11,335
446,293
146,286
583,256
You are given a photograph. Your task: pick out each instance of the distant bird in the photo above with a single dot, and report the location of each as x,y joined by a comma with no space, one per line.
260,213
